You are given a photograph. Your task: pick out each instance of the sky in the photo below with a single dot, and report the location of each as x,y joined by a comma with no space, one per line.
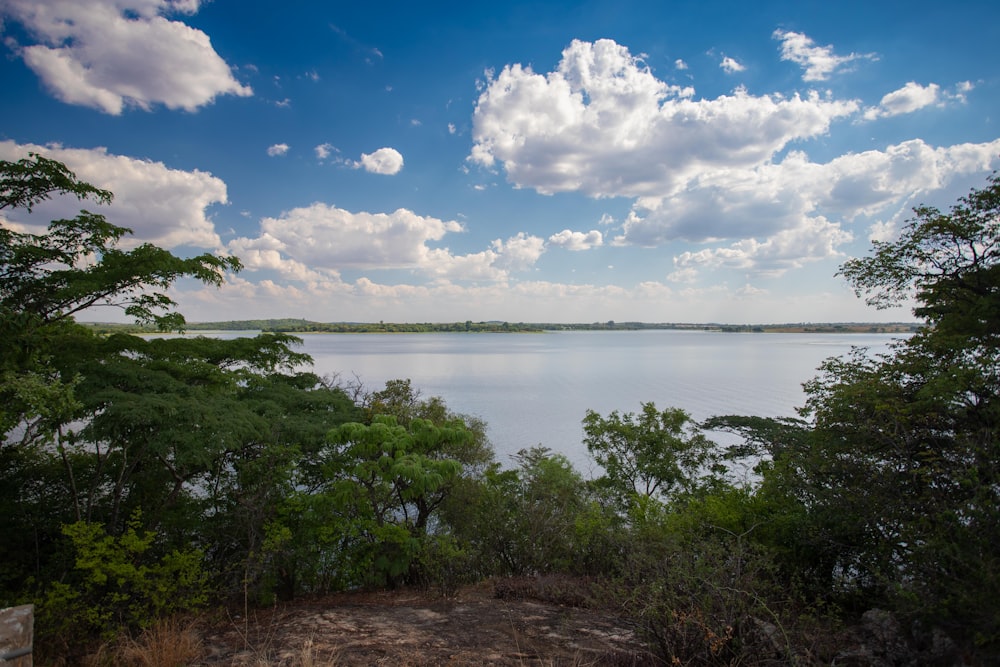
518,161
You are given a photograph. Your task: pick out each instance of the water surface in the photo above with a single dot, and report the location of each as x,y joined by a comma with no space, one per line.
534,389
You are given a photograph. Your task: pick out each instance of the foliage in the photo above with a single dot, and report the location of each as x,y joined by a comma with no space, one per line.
50,277
399,399
46,279
140,475
658,454
949,262
705,599
523,520
893,485
387,481
118,584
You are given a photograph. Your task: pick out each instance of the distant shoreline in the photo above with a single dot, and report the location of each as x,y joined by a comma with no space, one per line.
299,326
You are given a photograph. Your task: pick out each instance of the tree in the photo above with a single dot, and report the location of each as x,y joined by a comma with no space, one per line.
949,262
524,520
46,276
387,482
897,474
47,279
32,180
657,454
401,400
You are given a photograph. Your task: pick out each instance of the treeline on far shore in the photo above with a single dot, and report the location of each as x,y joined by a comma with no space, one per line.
288,325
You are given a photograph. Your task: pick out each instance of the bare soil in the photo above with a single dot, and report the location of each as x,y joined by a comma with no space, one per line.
415,628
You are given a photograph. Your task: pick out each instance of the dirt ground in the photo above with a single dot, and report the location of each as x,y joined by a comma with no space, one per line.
414,628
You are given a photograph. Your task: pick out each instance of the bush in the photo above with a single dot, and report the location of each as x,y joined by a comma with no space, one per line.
117,585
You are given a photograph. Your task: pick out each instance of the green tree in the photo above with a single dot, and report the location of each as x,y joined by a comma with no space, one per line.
895,482
950,263
526,519
401,400
386,482
211,442
657,454
46,279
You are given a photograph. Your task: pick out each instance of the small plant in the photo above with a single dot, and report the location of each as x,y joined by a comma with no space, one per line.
166,643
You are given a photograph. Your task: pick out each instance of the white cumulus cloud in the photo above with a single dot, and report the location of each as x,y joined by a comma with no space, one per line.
109,54
164,206
776,210
571,240
276,150
907,99
323,150
319,242
386,161
604,125
519,252
712,171
788,249
731,65
332,238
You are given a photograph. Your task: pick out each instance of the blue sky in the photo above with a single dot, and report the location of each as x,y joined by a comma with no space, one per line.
521,161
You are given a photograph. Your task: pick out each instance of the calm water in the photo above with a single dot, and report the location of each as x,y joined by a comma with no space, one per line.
534,389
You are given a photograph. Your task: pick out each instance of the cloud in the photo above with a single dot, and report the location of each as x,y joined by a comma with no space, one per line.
815,240
319,242
768,198
161,205
331,238
520,252
369,53
907,99
961,90
323,151
386,161
680,64
604,125
790,213
277,150
731,66
571,240
717,171
819,62
112,54
687,274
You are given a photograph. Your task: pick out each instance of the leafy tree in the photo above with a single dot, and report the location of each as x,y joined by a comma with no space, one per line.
47,279
387,482
950,262
401,400
209,441
527,519
657,454
894,482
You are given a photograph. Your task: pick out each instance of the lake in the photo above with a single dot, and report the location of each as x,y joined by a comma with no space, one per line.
534,389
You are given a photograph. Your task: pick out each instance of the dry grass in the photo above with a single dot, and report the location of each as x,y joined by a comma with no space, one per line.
168,643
